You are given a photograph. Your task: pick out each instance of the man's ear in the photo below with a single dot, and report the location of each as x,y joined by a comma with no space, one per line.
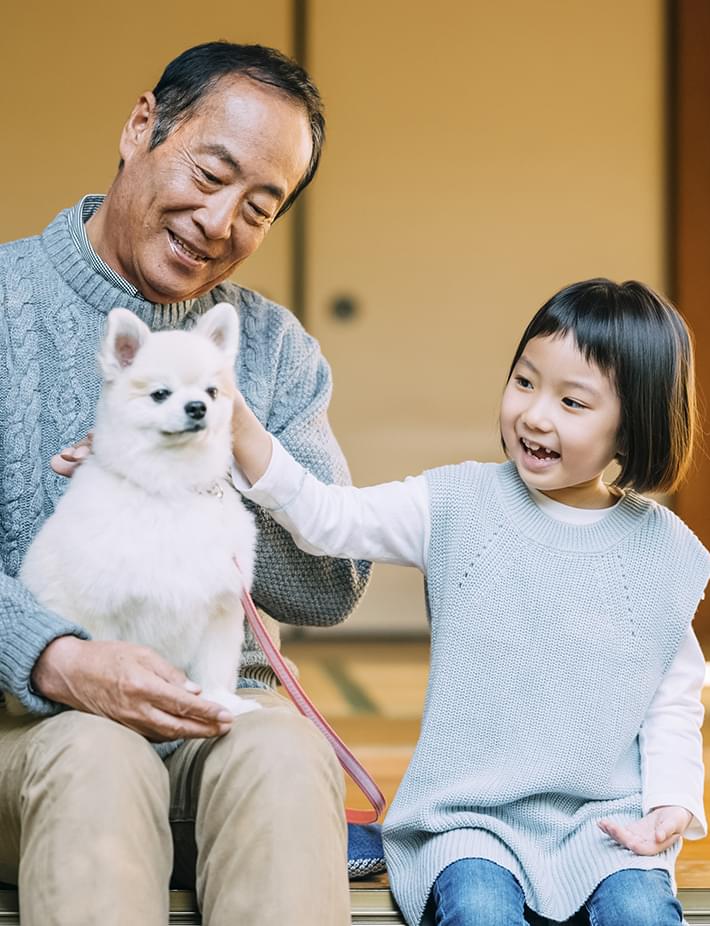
125,334
138,129
221,325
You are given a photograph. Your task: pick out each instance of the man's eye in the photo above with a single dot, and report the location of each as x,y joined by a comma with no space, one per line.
160,395
211,392
210,178
264,216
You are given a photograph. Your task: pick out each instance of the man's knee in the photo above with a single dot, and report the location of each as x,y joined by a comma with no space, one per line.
278,748
83,753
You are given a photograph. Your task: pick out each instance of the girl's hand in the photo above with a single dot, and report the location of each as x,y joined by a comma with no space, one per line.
251,443
658,830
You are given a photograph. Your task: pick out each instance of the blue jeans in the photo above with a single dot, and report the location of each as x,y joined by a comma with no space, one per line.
475,892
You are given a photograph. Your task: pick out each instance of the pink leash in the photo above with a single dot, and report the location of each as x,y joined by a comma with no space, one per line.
350,764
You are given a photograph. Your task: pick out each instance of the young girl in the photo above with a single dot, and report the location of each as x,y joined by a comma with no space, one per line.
559,759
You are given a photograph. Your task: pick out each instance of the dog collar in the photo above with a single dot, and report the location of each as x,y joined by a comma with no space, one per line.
215,490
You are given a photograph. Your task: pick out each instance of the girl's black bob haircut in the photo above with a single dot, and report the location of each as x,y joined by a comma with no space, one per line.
639,340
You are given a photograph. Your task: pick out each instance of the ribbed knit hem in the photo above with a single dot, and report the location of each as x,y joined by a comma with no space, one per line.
543,530
19,656
569,881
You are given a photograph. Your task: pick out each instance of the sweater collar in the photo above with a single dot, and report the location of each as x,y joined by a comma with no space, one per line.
89,276
539,527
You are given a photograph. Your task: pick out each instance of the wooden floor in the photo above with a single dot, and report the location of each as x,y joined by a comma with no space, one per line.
373,692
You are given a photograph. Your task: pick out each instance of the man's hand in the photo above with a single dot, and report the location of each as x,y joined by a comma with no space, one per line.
658,830
130,684
66,461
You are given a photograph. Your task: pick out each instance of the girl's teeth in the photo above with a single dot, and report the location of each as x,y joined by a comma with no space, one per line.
533,449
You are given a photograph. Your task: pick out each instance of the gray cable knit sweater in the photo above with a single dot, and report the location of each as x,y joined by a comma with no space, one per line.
52,311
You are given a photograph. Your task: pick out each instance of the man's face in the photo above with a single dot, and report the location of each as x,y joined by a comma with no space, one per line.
185,214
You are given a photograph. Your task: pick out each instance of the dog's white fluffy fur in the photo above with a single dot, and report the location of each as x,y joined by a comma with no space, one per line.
141,545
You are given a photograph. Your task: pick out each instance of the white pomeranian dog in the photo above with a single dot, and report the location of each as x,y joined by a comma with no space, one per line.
141,546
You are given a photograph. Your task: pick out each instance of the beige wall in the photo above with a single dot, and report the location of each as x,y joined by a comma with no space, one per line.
70,73
481,154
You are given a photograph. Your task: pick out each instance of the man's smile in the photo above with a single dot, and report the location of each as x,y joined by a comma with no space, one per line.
184,250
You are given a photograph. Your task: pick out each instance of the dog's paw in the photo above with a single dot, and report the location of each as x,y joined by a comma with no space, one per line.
234,703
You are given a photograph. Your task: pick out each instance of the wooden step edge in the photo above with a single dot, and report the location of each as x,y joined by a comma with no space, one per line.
371,905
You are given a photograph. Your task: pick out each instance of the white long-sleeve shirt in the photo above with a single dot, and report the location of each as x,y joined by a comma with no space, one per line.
391,523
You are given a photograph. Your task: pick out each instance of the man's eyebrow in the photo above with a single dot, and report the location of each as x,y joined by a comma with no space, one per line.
225,155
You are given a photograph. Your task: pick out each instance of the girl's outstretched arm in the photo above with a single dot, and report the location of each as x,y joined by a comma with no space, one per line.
387,523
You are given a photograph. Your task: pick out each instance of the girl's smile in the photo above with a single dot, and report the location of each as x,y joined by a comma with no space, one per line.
536,457
560,417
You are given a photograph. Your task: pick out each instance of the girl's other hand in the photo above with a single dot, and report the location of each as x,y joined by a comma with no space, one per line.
658,830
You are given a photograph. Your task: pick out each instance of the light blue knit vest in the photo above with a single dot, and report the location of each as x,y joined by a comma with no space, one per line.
549,641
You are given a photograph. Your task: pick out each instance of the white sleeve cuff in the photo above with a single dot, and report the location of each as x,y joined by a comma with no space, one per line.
697,828
279,484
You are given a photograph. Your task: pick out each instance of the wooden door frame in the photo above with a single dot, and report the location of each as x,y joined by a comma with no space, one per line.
689,233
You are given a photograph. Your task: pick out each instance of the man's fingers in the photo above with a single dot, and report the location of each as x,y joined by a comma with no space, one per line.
187,707
62,466
162,711
165,670
162,726
66,461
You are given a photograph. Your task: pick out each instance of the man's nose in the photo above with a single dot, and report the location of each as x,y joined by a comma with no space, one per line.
216,215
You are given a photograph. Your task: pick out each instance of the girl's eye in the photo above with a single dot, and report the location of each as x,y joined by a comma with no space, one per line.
573,403
160,395
211,392
523,383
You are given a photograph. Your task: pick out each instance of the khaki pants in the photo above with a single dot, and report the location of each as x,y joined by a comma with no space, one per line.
89,814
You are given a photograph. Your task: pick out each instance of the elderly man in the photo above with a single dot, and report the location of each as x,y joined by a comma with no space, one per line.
89,813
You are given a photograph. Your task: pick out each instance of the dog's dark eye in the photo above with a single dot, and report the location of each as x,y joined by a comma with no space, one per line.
160,395
211,392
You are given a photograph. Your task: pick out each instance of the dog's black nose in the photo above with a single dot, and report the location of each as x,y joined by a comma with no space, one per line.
196,410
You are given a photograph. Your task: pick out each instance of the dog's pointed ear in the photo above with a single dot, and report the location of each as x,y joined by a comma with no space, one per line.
123,337
221,325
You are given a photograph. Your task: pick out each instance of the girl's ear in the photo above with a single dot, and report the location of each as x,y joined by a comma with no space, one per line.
125,334
221,325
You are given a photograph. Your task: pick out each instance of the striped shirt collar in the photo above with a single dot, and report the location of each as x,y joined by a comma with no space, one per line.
79,215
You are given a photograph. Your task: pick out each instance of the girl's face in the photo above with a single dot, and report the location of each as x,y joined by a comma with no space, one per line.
560,419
